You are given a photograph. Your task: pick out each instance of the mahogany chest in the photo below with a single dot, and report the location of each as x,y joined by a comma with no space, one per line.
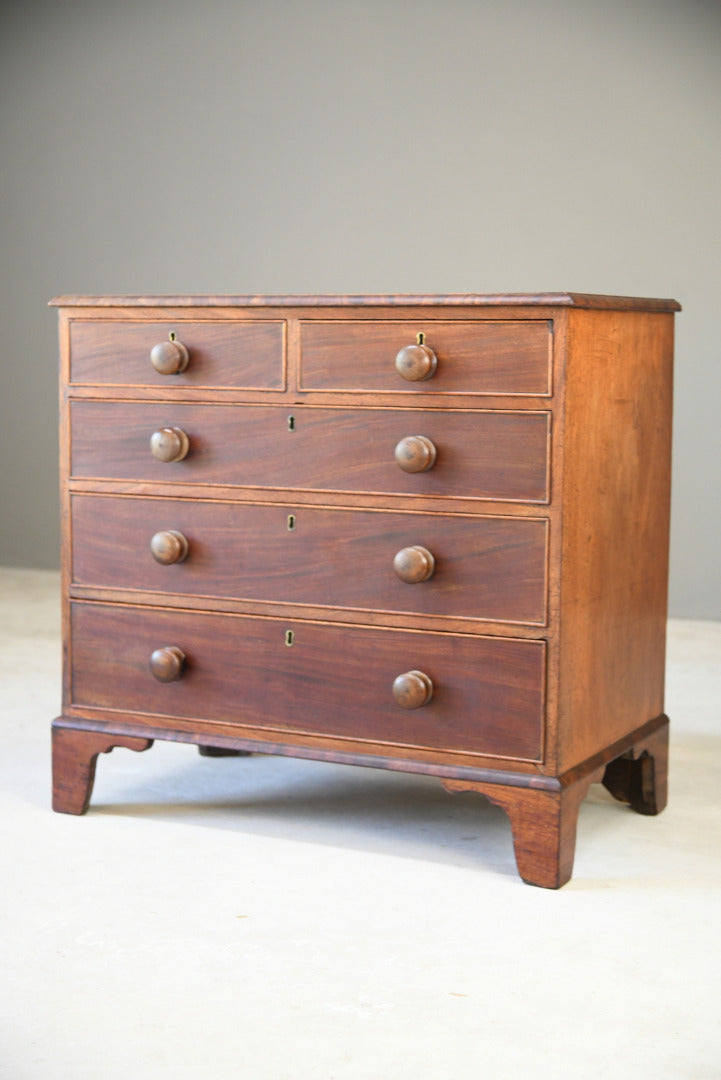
421,533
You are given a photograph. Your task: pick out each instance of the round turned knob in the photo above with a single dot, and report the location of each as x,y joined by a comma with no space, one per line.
167,664
169,357
412,689
169,547
169,444
416,363
414,564
415,453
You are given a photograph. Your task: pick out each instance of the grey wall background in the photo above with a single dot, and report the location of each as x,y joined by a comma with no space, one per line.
151,146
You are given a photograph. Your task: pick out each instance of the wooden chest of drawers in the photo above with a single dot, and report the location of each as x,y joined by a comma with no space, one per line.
427,534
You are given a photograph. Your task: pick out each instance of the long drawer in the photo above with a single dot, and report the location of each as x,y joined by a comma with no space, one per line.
241,355
479,454
503,357
491,568
314,678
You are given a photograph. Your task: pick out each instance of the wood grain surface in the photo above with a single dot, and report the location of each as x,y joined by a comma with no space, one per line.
486,568
379,300
240,355
504,357
481,455
333,680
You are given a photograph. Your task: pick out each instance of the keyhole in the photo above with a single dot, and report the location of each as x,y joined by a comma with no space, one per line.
289,638
420,338
291,423
291,522
171,335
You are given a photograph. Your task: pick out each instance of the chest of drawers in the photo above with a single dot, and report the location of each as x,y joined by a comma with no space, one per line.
427,534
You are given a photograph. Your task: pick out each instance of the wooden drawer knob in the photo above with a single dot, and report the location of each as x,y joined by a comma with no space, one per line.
169,357
416,363
168,547
412,689
414,564
167,664
415,454
169,444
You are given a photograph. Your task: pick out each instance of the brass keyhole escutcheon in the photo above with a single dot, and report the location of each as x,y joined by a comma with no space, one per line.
291,522
289,638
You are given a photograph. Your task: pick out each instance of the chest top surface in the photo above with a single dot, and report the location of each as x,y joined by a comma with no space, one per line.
551,299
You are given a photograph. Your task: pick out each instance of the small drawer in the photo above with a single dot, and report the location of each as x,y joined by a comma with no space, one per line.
465,454
504,357
237,355
476,695
444,565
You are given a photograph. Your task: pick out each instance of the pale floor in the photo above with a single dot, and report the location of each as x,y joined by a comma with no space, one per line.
273,919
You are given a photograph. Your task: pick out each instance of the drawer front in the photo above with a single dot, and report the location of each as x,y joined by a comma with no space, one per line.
240,355
472,357
480,455
332,681
490,568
